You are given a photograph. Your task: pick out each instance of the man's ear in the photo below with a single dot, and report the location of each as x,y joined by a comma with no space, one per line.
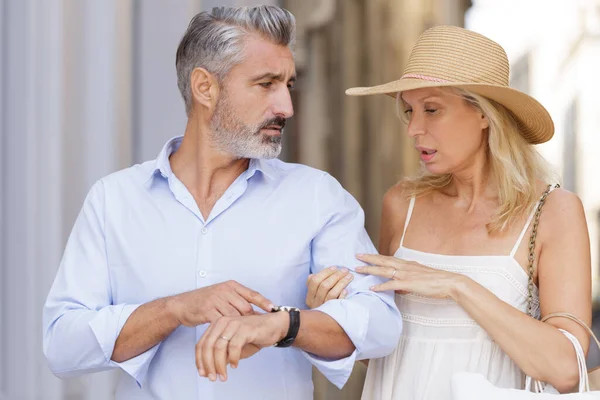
205,88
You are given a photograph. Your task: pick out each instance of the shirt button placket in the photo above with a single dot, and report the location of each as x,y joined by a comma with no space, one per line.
203,267
204,257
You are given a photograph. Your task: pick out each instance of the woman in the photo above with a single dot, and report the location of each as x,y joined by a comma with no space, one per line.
455,240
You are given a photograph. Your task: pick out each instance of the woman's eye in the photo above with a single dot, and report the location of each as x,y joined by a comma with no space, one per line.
430,110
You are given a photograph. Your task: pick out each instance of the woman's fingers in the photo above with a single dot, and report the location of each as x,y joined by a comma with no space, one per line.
384,272
336,291
314,281
389,285
328,284
377,259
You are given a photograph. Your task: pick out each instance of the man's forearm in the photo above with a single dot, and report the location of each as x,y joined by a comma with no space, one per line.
147,326
322,336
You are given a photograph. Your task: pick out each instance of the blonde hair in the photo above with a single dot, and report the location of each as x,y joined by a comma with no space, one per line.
516,166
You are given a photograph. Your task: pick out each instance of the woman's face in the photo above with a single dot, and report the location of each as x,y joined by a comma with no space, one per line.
448,133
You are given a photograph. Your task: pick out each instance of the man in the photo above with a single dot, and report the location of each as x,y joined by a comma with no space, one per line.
170,262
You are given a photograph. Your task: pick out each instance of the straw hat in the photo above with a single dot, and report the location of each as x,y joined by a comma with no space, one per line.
452,56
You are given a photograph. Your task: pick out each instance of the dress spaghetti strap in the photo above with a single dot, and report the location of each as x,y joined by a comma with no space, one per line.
411,206
520,239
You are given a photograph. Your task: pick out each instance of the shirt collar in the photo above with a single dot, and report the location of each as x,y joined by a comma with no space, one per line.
162,166
264,166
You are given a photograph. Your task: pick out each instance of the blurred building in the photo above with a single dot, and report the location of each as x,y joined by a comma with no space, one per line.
556,60
360,141
342,44
88,87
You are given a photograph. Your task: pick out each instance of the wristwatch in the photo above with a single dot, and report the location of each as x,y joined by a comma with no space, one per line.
294,325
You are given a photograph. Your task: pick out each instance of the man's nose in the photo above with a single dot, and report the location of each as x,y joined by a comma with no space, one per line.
283,106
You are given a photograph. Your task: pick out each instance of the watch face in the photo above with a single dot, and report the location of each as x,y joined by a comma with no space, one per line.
284,308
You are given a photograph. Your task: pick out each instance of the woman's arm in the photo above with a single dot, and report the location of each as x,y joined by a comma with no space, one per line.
564,276
564,270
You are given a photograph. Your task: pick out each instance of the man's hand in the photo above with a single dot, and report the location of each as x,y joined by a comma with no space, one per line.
228,340
227,299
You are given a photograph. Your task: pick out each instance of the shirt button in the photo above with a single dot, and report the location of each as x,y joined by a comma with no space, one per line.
202,274
204,231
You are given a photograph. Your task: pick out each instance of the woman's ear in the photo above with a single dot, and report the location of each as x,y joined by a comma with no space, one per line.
485,122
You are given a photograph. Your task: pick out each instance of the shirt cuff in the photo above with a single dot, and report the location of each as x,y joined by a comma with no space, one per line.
354,320
107,326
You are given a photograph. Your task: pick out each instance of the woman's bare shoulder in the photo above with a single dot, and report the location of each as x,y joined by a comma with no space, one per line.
562,213
396,202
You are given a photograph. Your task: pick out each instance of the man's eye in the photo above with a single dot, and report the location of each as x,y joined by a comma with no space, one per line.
291,86
407,112
266,85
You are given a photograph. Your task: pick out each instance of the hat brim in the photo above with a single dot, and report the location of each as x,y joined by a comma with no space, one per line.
534,121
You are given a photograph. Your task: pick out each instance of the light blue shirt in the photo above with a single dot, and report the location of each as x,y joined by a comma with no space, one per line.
140,236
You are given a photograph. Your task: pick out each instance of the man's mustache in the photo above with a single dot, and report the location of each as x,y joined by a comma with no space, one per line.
277,121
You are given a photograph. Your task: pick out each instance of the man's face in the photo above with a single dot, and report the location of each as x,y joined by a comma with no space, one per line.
255,101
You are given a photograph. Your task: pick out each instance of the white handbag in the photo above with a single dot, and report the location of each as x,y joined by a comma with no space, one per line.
471,386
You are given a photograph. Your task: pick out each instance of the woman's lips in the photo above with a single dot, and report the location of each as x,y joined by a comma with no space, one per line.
426,154
426,157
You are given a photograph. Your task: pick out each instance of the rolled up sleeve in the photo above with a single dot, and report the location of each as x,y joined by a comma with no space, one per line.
371,320
81,325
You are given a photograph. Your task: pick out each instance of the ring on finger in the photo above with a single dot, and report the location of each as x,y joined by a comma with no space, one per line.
225,338
394,273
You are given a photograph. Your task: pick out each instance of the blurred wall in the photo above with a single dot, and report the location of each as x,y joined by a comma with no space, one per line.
556,60
342,44
87,87
360,141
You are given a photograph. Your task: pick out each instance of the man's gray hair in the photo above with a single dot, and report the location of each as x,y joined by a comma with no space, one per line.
214,41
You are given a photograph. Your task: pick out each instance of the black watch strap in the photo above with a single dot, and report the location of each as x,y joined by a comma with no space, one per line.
294,313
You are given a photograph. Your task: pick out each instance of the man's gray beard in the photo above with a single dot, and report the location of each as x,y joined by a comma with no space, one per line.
231,135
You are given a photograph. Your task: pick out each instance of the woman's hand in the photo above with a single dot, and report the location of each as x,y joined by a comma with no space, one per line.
328,284
409,276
